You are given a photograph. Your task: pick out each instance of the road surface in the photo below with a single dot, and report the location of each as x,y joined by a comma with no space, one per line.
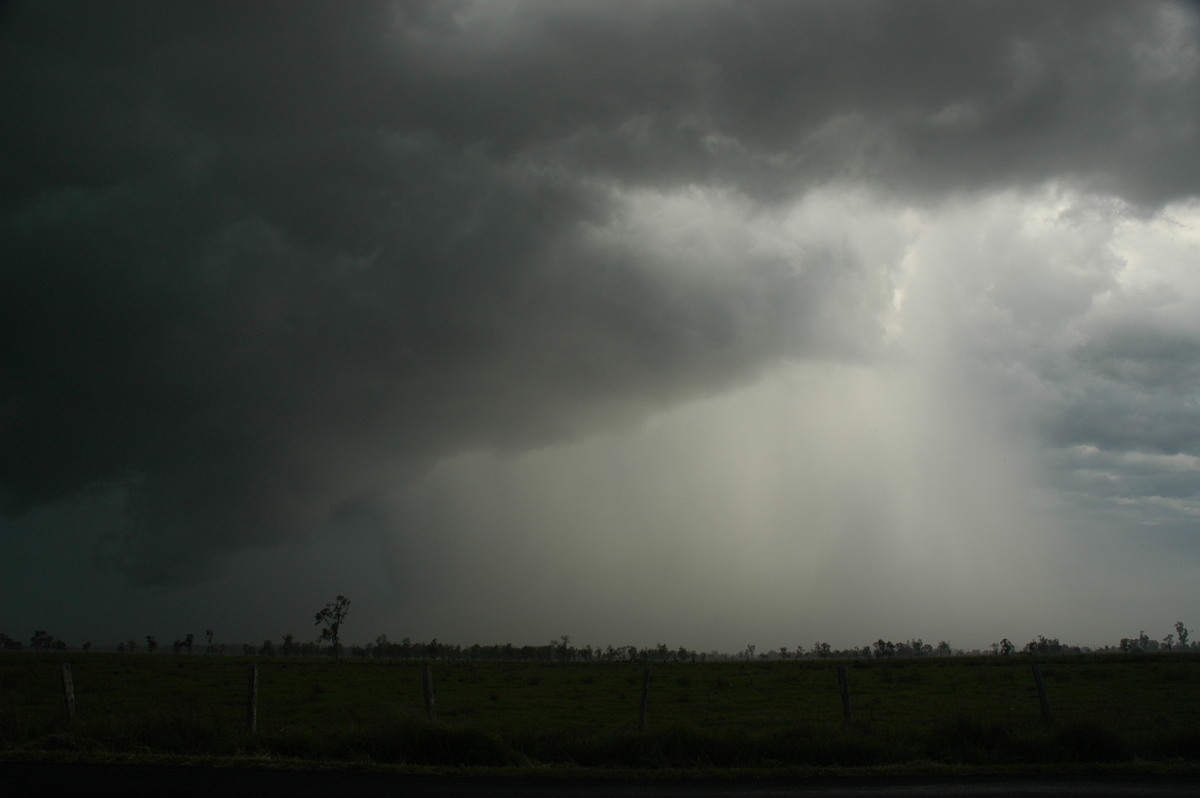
21,779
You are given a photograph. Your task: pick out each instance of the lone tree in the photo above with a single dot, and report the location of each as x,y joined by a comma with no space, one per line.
332,615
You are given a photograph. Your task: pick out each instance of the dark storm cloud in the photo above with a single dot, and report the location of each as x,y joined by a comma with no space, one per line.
1132,389
263,259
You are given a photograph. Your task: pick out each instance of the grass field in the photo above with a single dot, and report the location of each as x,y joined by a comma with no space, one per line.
956,711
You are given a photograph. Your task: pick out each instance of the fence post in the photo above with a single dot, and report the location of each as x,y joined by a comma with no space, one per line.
68,691
429,705
1041,687
252,699
844,684
645,699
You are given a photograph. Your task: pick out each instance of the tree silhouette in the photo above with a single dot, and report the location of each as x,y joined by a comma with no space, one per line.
332,615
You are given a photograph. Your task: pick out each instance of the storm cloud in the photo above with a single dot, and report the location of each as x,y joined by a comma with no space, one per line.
279,273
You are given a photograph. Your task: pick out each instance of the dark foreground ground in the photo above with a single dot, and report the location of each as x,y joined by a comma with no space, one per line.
19,779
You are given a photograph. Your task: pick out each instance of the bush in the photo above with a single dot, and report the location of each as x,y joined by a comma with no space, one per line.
1089,742
970,740
396,742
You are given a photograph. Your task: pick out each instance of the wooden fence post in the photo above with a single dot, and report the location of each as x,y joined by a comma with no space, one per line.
68,691
429,705
645,699
252,699
1041,687
844,684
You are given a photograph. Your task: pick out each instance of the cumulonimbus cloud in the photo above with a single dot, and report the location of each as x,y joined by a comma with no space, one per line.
261,259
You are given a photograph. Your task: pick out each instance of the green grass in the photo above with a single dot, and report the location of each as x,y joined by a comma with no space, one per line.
974,712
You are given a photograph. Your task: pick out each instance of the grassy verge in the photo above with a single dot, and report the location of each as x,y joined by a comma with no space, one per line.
932,716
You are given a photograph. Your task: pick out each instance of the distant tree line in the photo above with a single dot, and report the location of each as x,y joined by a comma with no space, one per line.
562,650
41,641
1143,641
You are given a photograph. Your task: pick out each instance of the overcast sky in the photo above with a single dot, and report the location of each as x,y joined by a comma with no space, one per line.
698,323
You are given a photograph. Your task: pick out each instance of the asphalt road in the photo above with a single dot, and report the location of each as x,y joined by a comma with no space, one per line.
19,779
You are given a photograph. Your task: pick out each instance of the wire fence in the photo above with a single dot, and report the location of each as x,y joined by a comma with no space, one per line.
253,694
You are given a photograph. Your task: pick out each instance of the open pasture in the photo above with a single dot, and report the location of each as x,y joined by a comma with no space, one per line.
956,710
